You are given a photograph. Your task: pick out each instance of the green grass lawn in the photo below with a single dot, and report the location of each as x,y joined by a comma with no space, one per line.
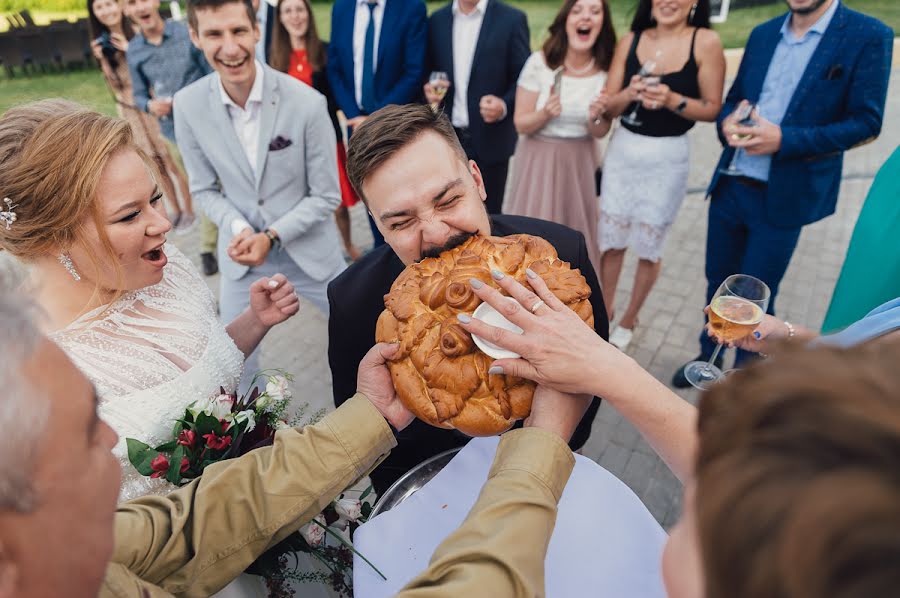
88,87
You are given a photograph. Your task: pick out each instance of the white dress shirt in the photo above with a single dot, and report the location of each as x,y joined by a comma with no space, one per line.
246,123
465,37
360,24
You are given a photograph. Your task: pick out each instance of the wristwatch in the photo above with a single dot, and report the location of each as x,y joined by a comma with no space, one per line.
681,105
273,238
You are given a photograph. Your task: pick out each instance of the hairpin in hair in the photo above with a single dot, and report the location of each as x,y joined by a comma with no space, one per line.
8,217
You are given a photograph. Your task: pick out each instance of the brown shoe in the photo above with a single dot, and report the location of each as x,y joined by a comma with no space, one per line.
210,264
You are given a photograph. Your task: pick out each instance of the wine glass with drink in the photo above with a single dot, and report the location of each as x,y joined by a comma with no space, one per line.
440,83
735,311
745,115
648,78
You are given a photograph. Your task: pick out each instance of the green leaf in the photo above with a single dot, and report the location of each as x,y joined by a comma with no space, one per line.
366,493
174,473
167,447
207,424
141,455
366,509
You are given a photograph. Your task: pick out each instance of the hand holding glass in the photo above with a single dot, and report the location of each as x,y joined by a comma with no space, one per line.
735,311
745,115
439,82
161,93
646,71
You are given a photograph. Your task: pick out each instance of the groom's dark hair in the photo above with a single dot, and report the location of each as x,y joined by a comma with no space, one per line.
389,130
194,5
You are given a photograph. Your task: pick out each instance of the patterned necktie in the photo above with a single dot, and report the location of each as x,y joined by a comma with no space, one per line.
368,69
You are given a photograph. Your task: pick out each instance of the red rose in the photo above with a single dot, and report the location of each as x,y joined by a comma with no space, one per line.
160,466
187,438
185,463
217,443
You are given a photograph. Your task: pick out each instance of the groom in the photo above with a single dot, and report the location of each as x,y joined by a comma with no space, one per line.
259,150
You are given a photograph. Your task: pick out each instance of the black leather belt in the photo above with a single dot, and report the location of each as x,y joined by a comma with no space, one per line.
750,182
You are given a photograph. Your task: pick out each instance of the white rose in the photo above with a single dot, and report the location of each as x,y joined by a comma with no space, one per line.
278,388
221,406
348,508
201,406
313,533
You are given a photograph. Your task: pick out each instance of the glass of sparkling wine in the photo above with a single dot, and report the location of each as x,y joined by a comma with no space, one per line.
646,73
746,117
736,310
439,82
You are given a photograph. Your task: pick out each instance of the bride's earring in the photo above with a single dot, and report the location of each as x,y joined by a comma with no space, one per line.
66,262
693,12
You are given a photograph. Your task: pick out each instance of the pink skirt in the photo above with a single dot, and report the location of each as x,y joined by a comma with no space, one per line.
553,179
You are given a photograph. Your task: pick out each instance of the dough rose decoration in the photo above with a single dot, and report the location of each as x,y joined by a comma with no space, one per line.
438,372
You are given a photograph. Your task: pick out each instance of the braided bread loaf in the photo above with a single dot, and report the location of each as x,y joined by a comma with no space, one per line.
438,372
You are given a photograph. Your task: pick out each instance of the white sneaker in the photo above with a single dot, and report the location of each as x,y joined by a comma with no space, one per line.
620,337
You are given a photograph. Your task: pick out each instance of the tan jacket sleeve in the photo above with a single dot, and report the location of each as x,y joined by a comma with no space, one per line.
500,548
200,537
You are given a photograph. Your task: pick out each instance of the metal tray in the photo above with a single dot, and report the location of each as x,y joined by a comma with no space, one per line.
412,481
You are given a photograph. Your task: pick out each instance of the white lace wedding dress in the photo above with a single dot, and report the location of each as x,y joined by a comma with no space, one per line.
150,354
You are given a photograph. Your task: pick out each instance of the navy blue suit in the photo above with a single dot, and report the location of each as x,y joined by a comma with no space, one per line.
500,54
400,65
838,104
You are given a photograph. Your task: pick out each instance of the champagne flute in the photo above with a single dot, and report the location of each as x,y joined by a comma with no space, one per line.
161,92
735,311
646,71
439,82
746,117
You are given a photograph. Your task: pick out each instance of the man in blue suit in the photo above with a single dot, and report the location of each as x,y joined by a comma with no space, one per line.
367,70
819,76
481,45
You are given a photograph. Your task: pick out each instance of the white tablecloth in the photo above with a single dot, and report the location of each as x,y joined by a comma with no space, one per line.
605,544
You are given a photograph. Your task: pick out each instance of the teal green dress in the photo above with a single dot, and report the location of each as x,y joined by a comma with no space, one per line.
871,272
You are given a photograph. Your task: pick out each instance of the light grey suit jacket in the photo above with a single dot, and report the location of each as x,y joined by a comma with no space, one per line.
295,190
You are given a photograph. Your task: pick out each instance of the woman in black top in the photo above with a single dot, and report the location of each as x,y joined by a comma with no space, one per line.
646,166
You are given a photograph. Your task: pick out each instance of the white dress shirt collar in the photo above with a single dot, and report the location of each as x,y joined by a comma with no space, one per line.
246,120
479,8
255,91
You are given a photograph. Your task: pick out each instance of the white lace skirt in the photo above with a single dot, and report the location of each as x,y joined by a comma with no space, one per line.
644,183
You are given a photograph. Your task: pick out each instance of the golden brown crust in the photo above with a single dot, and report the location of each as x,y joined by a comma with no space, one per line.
439,373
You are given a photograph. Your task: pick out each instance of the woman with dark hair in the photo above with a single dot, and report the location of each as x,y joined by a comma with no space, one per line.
558,115
646,165
298,51
110,32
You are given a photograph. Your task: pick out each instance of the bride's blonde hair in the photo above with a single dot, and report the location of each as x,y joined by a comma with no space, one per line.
51,155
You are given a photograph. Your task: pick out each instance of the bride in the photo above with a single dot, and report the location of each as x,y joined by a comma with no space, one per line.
79,204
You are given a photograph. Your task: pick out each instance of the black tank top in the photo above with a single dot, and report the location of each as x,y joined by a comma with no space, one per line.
664,122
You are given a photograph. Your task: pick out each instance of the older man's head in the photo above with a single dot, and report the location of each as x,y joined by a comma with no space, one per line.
58,478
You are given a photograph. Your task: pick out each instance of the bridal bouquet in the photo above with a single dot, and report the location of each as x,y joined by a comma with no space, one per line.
228,426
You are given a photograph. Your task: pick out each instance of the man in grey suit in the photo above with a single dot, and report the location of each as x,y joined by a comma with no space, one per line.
260,154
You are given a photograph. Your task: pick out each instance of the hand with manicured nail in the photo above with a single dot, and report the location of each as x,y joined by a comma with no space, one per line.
769,331
558,349
273,300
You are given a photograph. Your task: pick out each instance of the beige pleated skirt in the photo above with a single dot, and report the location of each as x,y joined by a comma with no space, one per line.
553,179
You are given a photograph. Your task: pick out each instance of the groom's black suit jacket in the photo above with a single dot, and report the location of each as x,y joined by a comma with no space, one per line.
356,299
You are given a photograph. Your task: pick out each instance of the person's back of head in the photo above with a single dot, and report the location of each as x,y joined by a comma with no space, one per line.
798,477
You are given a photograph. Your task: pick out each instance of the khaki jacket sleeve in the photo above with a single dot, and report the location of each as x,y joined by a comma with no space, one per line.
200,537
500,548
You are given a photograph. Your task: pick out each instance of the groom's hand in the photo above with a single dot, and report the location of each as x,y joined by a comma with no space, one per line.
374,381
251,250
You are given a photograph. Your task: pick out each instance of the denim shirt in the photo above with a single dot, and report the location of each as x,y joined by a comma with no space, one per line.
173,64
789,62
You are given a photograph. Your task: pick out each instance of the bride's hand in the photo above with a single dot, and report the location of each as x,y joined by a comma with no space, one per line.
273,300
374,381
